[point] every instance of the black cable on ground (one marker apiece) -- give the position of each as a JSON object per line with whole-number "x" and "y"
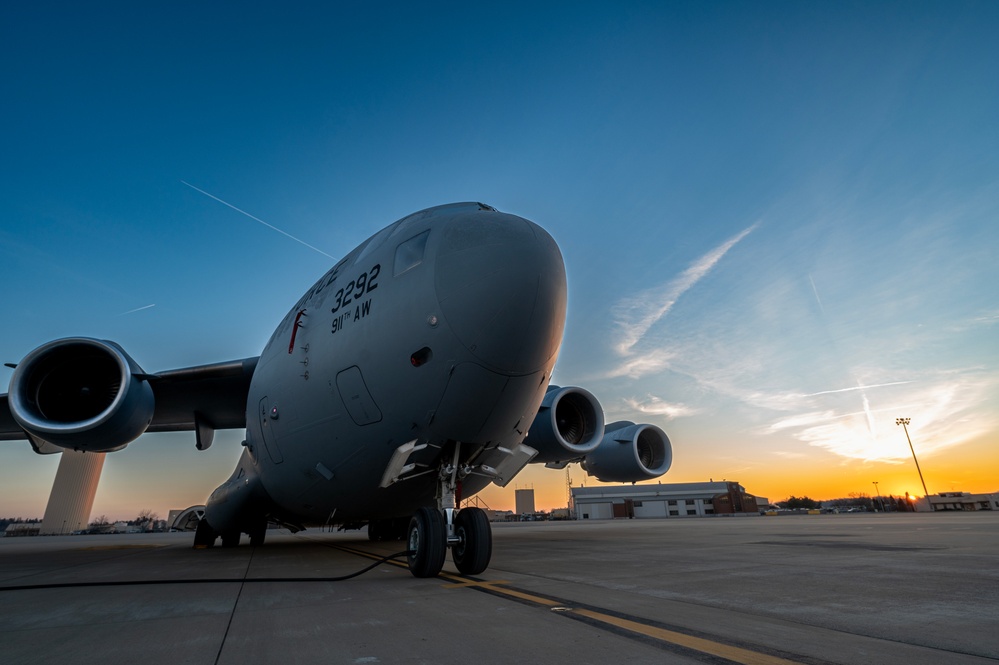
{"x": 225, "y": 580}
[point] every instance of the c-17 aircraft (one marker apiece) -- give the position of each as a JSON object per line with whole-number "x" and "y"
{"x": 410, "y": 376}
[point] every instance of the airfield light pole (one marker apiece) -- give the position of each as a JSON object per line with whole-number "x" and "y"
{"x": 904, "y": 422}
{"x": 880, "y": 500}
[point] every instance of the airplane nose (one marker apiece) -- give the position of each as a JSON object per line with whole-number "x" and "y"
{"x": 500, "y": 282}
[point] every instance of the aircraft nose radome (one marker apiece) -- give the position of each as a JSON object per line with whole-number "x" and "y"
{"x": 500, "y": 282}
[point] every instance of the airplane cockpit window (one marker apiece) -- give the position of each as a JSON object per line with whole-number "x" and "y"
{"x": 409, "y": 254}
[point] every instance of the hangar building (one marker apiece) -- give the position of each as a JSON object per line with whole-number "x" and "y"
{"x": 964, "y": 501}
{"x": 605, "y": 502}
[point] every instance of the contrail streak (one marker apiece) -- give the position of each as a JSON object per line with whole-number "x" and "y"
{"x": 257, "y": 219}
{"x": 653, "y": 304}
{"x": 816, "y": 292}
{"x": 846, "y": 390}
{"x": 137, "y": 309}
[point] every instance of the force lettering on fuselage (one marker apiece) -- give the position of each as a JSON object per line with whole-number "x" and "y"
{"x": 365, "y": 283}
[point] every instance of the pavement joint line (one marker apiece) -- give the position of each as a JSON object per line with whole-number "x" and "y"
{"x": 235, "y": 604}
{"x": 735, "y": 654}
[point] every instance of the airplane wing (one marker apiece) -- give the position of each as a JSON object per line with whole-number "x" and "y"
{"x": 214, "y": 393}
{"x": 202, "y": 399}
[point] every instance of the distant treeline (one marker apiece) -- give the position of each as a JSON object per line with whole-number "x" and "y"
{"x": 793, "y": 502}
{"x": 7, "y": 521}
{"x": 862, "y": 501}
{"x": 889, "y": 503}
{"x": 886, "y": 503}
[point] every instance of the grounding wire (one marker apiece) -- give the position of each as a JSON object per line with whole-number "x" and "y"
{"x": 207, "y": 580}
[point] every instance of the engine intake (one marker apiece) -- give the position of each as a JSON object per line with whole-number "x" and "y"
{"x": 81, "y": 393}
{"x": 629, "y": 453}
{"x": 569, "y": 425}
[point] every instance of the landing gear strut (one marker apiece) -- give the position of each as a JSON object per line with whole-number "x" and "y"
{"x": 433, "y": 530}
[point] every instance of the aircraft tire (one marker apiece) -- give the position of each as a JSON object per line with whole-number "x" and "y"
{"x": 204, "y": 535}
{"x": 230, "y": 538}
{"x": 375, "y": 531}
{"x": 427, "y": 543}
{"x": 472, "y": 553}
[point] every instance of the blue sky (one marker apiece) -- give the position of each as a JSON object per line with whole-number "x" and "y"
{"x": 779, "y": 220}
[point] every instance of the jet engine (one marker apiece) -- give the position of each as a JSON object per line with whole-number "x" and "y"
{"x": 569, "y": 425}
{"x": 81, "y": 393}
{"x": 629, "y": 453}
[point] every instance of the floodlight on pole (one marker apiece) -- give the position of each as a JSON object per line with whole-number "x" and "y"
{"x": 904, "y": 422}
{"x": 880, "y": 500}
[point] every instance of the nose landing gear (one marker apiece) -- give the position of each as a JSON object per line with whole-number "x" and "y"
{"x": 433, "y": 530}
{"x": 428, "y": 542}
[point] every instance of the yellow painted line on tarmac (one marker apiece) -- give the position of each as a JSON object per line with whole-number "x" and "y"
{"x": 476, "y": 583}
{"x": 735, "y": 654}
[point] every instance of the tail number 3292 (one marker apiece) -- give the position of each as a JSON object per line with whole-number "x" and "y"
{"x": 364, "y": 284}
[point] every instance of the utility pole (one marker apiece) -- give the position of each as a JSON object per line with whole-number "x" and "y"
{"x": 568, "y": 489}
{"x": 880, "y": 500}
{"x": 904, "y": 422}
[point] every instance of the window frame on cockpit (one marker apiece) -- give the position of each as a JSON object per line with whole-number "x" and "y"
{"x": 410, "y": 252}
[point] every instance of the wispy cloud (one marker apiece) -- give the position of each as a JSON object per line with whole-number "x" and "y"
{"x": 819, "y": 344}
{"x": 946, "y": 411}
{"x": 754, "y": 364}
{"x": 636, "y": 315}
{"x": 984, "y": 320}
{"x": 656, "y": 406}
{"x": 647, "y": 363}
{"x": 786, "y": 454}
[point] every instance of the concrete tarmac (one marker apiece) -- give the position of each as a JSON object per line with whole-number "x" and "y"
{"x": 882, "y": 589}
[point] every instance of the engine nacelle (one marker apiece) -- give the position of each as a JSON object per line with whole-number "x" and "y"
{"x": 81, "y": 393}
{"x": 629, "y": 453}
{"x": 569, "y": 424}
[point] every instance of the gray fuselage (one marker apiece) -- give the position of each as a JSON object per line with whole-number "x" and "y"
{"x": 443, "y": 327}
